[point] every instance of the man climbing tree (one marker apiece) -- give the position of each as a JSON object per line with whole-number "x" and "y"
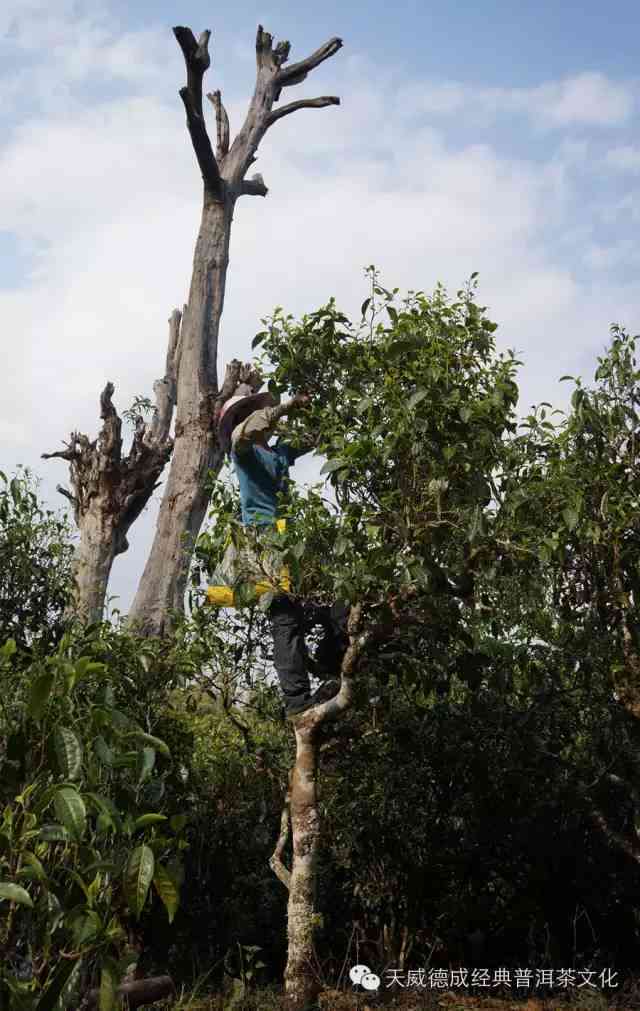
{"x": 246, "y": 423}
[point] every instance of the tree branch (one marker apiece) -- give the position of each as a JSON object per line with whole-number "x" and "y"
{"x": 313, "y": 717}
{"x": 137, "y": 993}
{"x": 253, "y": 187}
{"x": 222, "y": 124}
{"x": 297, "y": 72}
{"x": 303, "y": 103}
{"x": 197, "y": 60}
{"x": 165, "y": 389}
{"x": 70, "y": 453}
{"x": 275, "y": 861}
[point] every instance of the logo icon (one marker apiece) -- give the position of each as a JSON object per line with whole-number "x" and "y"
{"x": 361, "y": 975}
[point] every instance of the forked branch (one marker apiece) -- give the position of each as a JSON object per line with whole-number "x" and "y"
{"x": 197, "y": 60}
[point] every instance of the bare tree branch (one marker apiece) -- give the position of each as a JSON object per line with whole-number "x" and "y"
{"x": 70, "y": 453}
{"x": 271, "y": 78}
{"x": 297, "y": 72}
{"x": 303, "y": 103}
{"x": 165, "y": 389}
{"x": 197, "y": 60}
{"x": 253, "y": 187}
{"x": 222, "y": 125}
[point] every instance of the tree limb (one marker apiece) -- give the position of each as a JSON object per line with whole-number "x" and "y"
{"x": 275, "y": 861}
{"x": 297, "y": 72}
{"x": 311, "y": 718}
{"x": 253, "y": 187}
{"x": 303, "y": 103}
{"x": 197, "y": 60}
{"x": 222, "y": 124}
{"x": 70, "y": 453}
{"x": 165, "y": 389}
{"x": 138, "y": 993}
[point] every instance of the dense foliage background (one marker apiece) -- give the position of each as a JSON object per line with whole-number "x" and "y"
{"x": 480, "y": 800}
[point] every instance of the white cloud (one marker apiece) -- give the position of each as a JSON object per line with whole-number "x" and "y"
{"x": 589, "y": 99}
{"x": 107, "y": 192}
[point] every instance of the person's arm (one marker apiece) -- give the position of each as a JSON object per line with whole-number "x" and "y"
{"x": 259, "y": 422}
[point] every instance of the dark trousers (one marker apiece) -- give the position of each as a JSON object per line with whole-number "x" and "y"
{"x": 289, "y": 621}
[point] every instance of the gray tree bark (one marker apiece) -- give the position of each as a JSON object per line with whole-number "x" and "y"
{"x": 110, "y": 491}
{"x": 197, "y": 456}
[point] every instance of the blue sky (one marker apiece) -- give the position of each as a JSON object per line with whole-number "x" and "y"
{"x": 496, "y": 137}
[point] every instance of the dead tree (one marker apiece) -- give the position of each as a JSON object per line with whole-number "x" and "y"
{"x": 196, "y": 452}
{"x": 110, "y": 491}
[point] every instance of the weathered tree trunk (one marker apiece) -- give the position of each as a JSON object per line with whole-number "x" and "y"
{"x": 109, "y": 490}
{"x": 197, "y": 456}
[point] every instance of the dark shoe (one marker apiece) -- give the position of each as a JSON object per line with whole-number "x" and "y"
{"x": 326, "y": 691}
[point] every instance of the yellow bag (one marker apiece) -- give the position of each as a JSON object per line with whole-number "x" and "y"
{"x": 223, "y": 596}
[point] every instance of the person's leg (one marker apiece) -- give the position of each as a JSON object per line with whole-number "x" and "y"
{"x": 289, "y": 650}
{"x": 332, "y": 647}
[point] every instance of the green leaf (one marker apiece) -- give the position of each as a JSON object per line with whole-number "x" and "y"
{"x": 68, "y": 752}
{"x": 332, "y": 465}
{"x": 341, "y": 545}
{"x": 138, "y": 875}
{"x": 152, "y": 742}
{"x": 148, "y": 819}
{"x": 103, "y": 751}
{"x": 465, "y": 413}
{"x": 8, "y": 649}
{"x": 178, "y": 822}
{"x": 145, "y": 761}
{"x": 70, "y": 809}
{"x": 15, "y": 893}
{"x": 53, "y": 833}
{"x": 570, "y": 516}
{"x": 39, "y": 695}
{"x": 562, "y": 378}
{"x": 416, "y": 398}
{"x": 167, "y": 890}
{"x": 33, "y": 862}
{"x": 365, "y": 306}
{"x": 86, "y": 927}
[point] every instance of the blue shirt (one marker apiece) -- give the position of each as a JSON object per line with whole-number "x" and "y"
{"x": 262, "y": 474}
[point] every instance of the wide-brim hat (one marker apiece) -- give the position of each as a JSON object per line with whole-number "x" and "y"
{"x": 238, "y": 404}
